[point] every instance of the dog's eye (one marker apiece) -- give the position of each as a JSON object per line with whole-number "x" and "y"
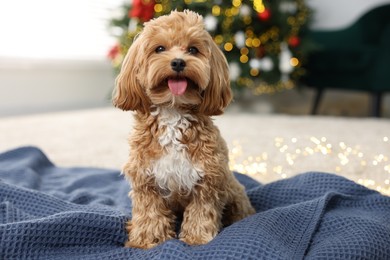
{"x": 160, "y": 49}
{"x": 193, "y": 50}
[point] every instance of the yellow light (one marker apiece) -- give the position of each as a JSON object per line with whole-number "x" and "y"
{"x": 158, "y": 8}
{"x": 294, "y": 62}
{"x": 291, "y": 20}
{"x": 244, "y": 59}
{"x": 264, "y": 37}
{"x": 261, "y": 9}
{"x": 258, "y": 6}
{"x": 278, "y": 169}
{"x": 256, "y": 42}
{"x": 262, "y": 166}
{"x": 254, "y": 72}
{"x": 248, "y": 42}
{"x": 244, "y": 51}
{"x": 235, "y": 11}
{"x": 247, "y": 20}
{"x": 236, "y": 3}
{"x": 249, "y": 33}
{"x": 218, "y": 39}
{"x": 216, "y": 10}
{"x": 228, "y": 46}
{"x": 228, "y": 12}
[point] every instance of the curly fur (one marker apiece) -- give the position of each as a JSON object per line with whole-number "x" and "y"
{"x": 178, "y": 164}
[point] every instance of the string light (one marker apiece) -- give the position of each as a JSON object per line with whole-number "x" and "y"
{"x": 294, "y": 62}
{"x": 235, "y": 11}
{"x": 247, "y": 20}
{"x": 258, "y": 6}
{"x": 216, "y": 10}
{"x": 158, "y": 8}
{"x": 228, "y": 46}
{"x": 218, "y": 39}
{"x": 248, "y": 42}
{"x": 289, "y": 155}
{"x": 228, "y": 12}
{"x": 236, "y": 3}
{"x": 244, "y": 59}
{"x": 244, "y": 51}
{"x": 256, "y": 42}
{"x": 254, "y": 72}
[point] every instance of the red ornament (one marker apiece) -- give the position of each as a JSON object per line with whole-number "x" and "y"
{"x": 260, "y": 51}
{"x": 294, "y": 41}
{"x": 142, "y": 9}
{"x": 265, "y": 15}
{"x": 114, "y": 51}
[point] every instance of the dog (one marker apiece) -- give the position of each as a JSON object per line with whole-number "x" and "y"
{"x": 175, "y": 78}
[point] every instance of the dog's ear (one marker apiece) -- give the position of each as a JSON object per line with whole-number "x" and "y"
{"x": 218, "y": 94}
{"x": 128, "y": 93}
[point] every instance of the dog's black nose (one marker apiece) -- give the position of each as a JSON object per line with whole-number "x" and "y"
{"x": 178, "y": 65}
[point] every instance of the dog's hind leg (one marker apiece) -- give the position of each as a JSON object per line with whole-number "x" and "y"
{"x": 238, "y": 205}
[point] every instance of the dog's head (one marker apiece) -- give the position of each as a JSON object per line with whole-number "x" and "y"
{"x": 174, "y": 62}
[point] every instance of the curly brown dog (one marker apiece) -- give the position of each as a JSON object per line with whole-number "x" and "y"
{"x": 175, "y": 77}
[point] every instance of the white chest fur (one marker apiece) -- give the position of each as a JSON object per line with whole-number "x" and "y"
{"x": 174, "y": 171}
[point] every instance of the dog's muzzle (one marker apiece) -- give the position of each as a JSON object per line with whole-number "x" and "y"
{"x": 178, "y": 65}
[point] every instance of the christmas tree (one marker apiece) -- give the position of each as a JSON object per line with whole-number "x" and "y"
{"x": 263, "y": 40}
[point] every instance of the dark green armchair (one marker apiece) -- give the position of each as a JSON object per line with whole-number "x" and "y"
{"x": 355, "y": 58}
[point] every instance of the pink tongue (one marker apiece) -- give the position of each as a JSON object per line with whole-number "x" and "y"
{"x": 177, "y": 86}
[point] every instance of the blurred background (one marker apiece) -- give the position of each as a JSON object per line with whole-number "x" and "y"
{"x": 65, "y": 55}
{"x": 311, "y": 78}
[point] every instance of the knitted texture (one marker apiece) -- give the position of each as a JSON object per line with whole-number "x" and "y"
{"x": 48, "y": 212}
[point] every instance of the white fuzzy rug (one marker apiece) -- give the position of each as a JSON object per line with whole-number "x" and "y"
{"x": 267, "y": 147}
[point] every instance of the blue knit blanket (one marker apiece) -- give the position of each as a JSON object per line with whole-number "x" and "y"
{"x": 48, "y": 212}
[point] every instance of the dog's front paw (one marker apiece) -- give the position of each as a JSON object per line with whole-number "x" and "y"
{"x": 140, "y": 244}
{"x": 197, "y": 240}
{"x": 148, "y": 237}
{"x": 197, "y": 237}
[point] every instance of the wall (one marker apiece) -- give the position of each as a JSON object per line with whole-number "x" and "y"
{"x": 32, "y": 86}
{"x": 332, "y": 14}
